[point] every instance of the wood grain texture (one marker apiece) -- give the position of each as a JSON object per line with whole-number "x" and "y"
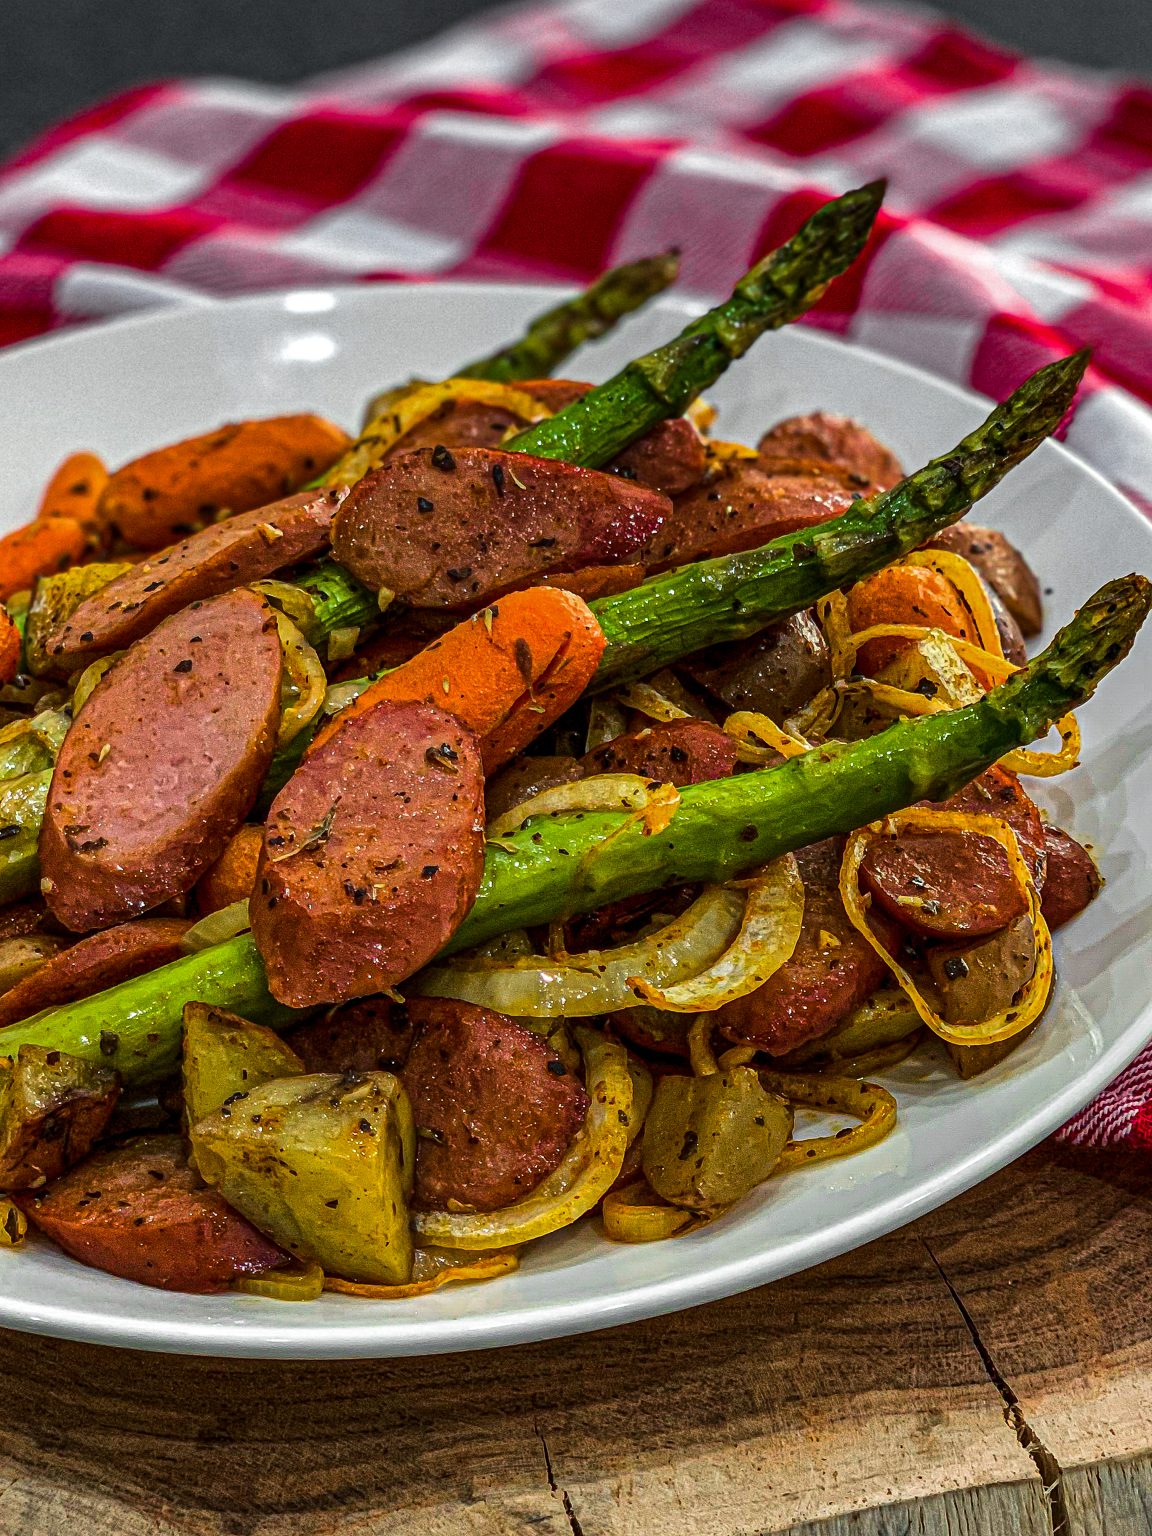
{"x": 885, "y": 1394}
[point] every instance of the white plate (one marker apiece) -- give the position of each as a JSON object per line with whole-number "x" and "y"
{"x": 123, "y": 388}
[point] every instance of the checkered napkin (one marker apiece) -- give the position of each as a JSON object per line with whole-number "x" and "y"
{"x": 552, "y": 141}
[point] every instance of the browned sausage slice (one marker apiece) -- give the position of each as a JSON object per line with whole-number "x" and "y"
{"x": 138, "y": 1211}
{"x": 373, "y": 853}
{"x": 373, "y": 1035}
{"x": 944, "y": 885}
{"x": 229, "y": 554}
{"x": 959, "y": 884}
{"x": 163, "y": 762}
{"x": 832, "y": 970}
{"x": 775, "y": 672}
{"x": 741, "y": 507}
{"x": 1002, "y": 566}
{"x": 526, "y": 777}
{"x": 668, "y": 458}
{"x": 678, "y": 752}
{"x": 452, "y": 529}
{"x": 820, "y": 439}
{"x": 495, "y": 1108}
{"x": 1071, "y": 879}
{"x": 99, "y": 961}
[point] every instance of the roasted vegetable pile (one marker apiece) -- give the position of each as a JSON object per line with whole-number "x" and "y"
{"x": 413, "y": 844}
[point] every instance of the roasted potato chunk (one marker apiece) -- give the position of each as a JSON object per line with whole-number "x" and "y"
{"x": 52, "y": 1109}
{"x": 224, "y": 1055}
{"x": 709, "y": 1140}
{"x": 323, "y": 1165}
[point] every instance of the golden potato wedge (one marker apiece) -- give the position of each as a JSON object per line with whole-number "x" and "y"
{"x": 52, "y": 1109}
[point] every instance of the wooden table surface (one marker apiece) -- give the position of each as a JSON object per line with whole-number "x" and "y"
{"x": 985, "y": 1371}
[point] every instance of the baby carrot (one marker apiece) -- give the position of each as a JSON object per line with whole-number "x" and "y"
{"x": 74, "y": 491}
{"x": 233, "y": 875}
{"x": 904, "y": 594}
{"x": 41, "y": 548}
{"x": 508, "y": 672}
{"x": 9, "y": 649}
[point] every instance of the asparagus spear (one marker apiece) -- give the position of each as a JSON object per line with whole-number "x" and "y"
{"x": 595, "y": 428}
{"x": 733, "y": 596}
{"x": 556, "y": 334}
{"x": 555, "y": 867}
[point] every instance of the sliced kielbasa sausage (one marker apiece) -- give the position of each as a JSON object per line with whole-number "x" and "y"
{"x": 162, "y": 763}
{"x": 495, "y": 1108}
{"x": 452, "y": 529}
{"x": 372, "y": 1035}
{"x": 739, "y": 507}
{"x": 678, "y": 752}
{"x": 229, "y": 554}
{"x": 139, "y": 1211}
{"x": 820, "y": 440}
{"x": 775, "y": 673}
{"x": 944, "y": 885}
{"x": 99, "y": 961}
{"x": 1071, "y": 879}
{"x": 958, "y": 884}
{"x": 668, "y": 458}
{"x": 1002, "y": 566}
{"x": 832, "y": 970}
{"x": 373, "y": 853}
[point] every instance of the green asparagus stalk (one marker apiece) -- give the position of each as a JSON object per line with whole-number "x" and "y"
{"x": 734, "y": 596}
{"x": 594, "y": 429}
{"x": 556, "y": 334}
{"x": 557, "y": 867}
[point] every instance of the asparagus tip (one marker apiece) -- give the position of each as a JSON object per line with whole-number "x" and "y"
{"x": 1099, "y": 635}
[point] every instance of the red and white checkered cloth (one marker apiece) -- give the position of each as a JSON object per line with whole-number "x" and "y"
{"x": 552, "y": 141}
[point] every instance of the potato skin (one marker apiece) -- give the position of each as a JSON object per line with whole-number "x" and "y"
{"x": 140, "y": 1212}
{"x": 167, "y": 494}
{"x": 709, "y": 1140}
{"x": 225, "y": 1054}
{"x": 52, "y": 1109}
{"x": 324, "y": 1165}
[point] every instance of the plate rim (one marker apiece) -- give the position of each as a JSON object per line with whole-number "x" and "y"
{"x": 363, "y": 1338}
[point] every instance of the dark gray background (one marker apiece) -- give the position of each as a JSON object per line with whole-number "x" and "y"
{"x": 57, "y": 56}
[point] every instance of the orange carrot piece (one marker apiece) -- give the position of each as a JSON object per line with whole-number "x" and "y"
{"x": 508, "y": 672}
{"x": 9, "y": 649}
{"x": 233, "y": 875}
{"x": 75, "y": 490}
{"x": 905, "y": 594}
{"x": 42, "y": 548}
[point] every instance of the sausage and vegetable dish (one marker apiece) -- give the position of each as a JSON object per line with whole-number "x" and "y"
{"x": 411, "y": 845}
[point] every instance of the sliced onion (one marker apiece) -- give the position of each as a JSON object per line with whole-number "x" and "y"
{"x": 872, "y": 1105}
{"x": 401, "y": 414}
{"x": 636, "y": 1214}
{"x": 769, "y": 930}
{"x": 296, "y": 602}
{"x": 656, "y": 803}
{"x": 701, "y": 1056}
{"x": 717, "y": 451}
{"x": 305, "y": 685}
{"x": 433, "y": 1268}
{"x": 1033, "y": 996}
{"x": 342, "y": 642}
{"x": 218, "y": 927}
{"x": 340, "y": 695}
{"x": 590, "y": 1167}
{"x": 646, "y": 700}
{"x": 761, "y": 738}
{"x": 606, "y": 721}
{"x": 294, "y": 1282}
{"x": 598, "y": 980}
{"x": 13, "y": 1225}
{"x": 90, "y": 676}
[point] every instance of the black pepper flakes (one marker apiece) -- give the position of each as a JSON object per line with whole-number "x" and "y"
{"x": 424, "y": 505}
{"x": 442, "y": 459}
{"x": 183, "y": 666}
